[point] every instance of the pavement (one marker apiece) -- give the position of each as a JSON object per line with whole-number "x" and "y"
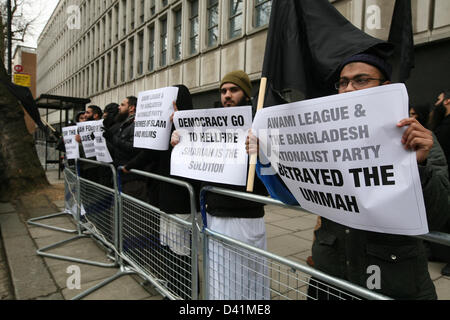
{"x": 24, "y": 275}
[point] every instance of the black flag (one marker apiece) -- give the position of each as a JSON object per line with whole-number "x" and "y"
{"x": 401, "y": 34}
{"x": 306, "y": 42}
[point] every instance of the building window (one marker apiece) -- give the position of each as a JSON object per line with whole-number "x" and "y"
{"x": 152, "y": 7}
{"x": 110, "y": 15}
{"x": 177, "y": 36}
{"x": 213, "y": 22}
{"x": 116, "y": 64}
{"x": 108, "y": 74}
{"x": 116, "y": 10}
{"x": 163, "y": 43}
{"x": 131, "y": 57}
{"x": 262, "y": 12}
{"x": 193, "y": 23}
{"x": 141, "y": 53}
{"x": 124, "y": 17}
{"x": 133, "y": 15}
{"x": 122, "y": 62}
{"x": 151, "y": 49}
{"x": 164, "y": 3}
{"x": 142, "y": 12}
{"x": 235, "y": 18}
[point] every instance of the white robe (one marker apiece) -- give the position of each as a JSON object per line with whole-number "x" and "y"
{"x": 235, "y": 274}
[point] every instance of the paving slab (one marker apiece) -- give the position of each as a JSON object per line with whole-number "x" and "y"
{"x": 124, "y": 288}
{"x": 287, "y": 245}
{"x": 6, "y": 207}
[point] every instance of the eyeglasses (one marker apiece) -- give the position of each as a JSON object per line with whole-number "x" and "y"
{"x": 359, "y": 82}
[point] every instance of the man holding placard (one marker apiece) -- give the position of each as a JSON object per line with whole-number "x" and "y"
{"x": 236, "y": 218}
{"x": 120, "y": 145}
{"x": 388, "y": 262}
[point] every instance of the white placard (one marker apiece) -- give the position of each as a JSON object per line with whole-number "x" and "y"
{"x": 152, "y": 126}
{"x": 342, "y": 158}
{"x": 71, "y": 145}
{"x": 101, "y": 150}
{"x": 85, "y": 130}
{"x": 212, "y": 145}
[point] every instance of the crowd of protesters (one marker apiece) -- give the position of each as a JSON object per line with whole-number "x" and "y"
{"x": 244, "y": 220}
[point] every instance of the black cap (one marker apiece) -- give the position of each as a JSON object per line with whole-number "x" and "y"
{"x": 374, "y": 60}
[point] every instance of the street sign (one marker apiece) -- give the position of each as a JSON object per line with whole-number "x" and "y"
{"x": 23, "y": 80}
{"x": 18, "y": 68}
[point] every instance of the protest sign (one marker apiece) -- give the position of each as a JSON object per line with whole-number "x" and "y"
{"x": 153, "y": 126}
{"x": 212, "y": 144}
{"x": 85, "y": 130}
{"x": 101, "y": 150}
{"x": 342, "y": 158}
{"x": 71, "y": 145}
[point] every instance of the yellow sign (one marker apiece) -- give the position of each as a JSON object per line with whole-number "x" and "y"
{"x": 23, "y": 80}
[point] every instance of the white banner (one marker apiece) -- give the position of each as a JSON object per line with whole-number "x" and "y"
{"x": 85, "y": 130}
{"x": 212, "y": 144}
{"x": 342, "y": 158}
{"x": 152, "y": 125}
{"x": 101, "y": 150}
{"x": 71, "y": 145}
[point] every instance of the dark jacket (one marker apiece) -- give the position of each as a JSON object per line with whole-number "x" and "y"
{"x": 225, "y": 206}
{"x": 442, "y": 133}
{"x": 170, "y": 198}
{"x": 347, "y": 253}
{"x": 120, "y": 144}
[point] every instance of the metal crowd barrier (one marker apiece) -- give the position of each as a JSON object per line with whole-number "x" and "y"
{"x": 164, "y": 250}
{"x": 235, "y": 270}
{"x": 70, "y": 196}
{"x": 161, "y": 247}
{"x": 85, "y": 229}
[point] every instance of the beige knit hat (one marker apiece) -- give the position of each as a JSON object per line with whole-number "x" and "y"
{"x": 239, "y": 78}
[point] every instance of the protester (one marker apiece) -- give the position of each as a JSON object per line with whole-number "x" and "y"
{"x": 440, "y": 125}
{"x": 80, "y": 117}
{"x": 109, "y": 114}
{"x": 171, "y": 243}
{"x": 345, "y": 252}
{"x": 236, "y": 218}
{"x": 90, "y": 171}
{"x": 120, "y": 145}
{"x": 93, "y": 113}
{"x": 421, "y": 113}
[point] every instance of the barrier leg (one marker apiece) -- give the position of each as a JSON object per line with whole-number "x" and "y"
{"x": 34, "y": 223}
{"x": 42, "y": 252}
{"x": 122, "y": 272}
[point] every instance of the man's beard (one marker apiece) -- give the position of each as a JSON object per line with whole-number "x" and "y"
{"x": 120, "y": 117}
{"x": 437, "y": 115}
{"x": 243, "y": 102}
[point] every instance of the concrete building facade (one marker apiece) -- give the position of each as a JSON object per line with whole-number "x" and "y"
{"x": 106, "y": 50}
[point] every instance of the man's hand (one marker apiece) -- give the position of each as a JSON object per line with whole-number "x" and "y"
{"x": 251, "y": 143}
{"x": 416, "y": 138}
{"x": 78, "y": 138}
{"x": 174, "y": 139}
{"x": 175, "y": 109}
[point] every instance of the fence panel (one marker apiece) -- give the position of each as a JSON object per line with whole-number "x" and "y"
{"x": 237, "y": 271}
{"x": 161, "y": 246}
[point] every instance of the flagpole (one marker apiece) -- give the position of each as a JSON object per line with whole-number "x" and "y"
{"x": 254, "y": 157}
{"x": 48, "y": 125}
